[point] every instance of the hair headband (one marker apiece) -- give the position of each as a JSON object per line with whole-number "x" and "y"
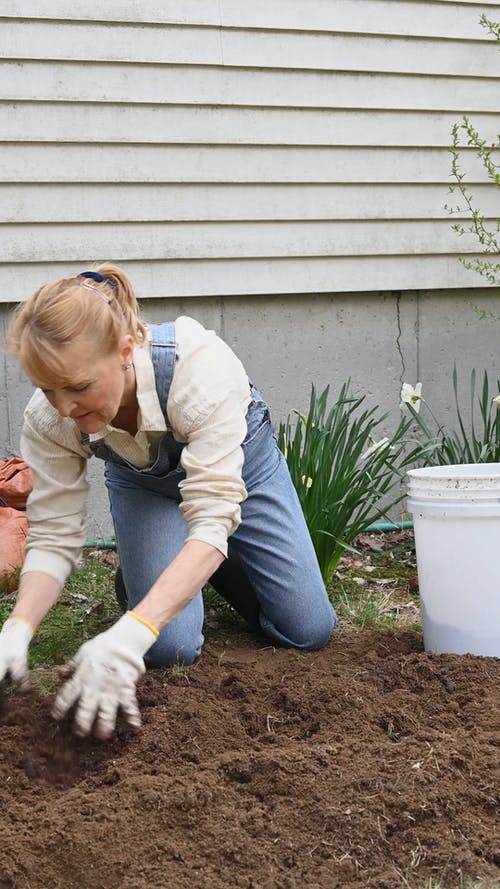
{"x": 99, "y": 279}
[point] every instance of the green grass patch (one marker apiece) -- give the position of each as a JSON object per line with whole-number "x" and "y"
{"x": 87, "y": 606}
{"x": 444, "y": 883}
{"x": 375, "y": 587}
{"x": 359, "y": 608}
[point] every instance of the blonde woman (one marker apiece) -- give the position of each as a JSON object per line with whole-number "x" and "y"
{"x": 198, "y": 491}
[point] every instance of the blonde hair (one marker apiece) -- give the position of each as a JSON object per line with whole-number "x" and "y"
{"x": 71, "y": 309}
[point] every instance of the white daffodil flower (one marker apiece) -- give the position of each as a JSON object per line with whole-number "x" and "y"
{"x": 411, "y": 395}
{"x": 496, "y": 401}
{"x": 307, "y": 481}
{"x": 374, "y": 446}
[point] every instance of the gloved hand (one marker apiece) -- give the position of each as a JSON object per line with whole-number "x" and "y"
{"x": 104, "y": 674}
{"x": 15, "y": 638}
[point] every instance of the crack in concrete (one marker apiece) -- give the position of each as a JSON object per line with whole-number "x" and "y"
{"x": 222, "y": 318}
{"x": 398, "y": 338}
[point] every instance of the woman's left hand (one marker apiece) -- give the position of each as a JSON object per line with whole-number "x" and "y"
{"x": 103, "y": 676}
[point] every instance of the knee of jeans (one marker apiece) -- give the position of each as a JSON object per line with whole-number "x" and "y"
{"x": 171, "y": 653}
{"x": 315, "y": 634}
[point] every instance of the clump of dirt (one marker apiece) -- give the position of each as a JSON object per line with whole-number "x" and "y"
{"x": 369, "y": 764}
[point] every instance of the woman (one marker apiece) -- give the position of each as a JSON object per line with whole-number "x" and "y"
{"x": 198, "y": 491}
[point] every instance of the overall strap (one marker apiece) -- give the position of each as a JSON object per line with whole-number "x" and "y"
{"x": 163, "y": 358}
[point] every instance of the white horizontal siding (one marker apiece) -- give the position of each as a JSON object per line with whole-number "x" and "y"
{"x": 223, "y": 240}
{"x": 177, "y": 84}
{"x": 234, "y": 147}
{"x": 215, "y": 125}
{"x": 442, "y": 18}
{"x": 256, "y": 276}
{"x": 244, "y": 49}
{"x": 105, "y": 202}
{"x": 180, "y": 163}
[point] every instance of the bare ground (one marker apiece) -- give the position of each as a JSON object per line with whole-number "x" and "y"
{"x": 369, "y": 764}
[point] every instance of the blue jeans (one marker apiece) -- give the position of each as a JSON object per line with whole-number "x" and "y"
{"x": 272, "y": 542}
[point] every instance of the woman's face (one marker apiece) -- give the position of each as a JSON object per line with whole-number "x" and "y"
{"x": 99, "y": 385}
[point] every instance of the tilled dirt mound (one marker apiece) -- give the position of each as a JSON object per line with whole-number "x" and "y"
{"x": 369, "y": 764}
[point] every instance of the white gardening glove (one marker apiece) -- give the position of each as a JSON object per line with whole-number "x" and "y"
{"x": 15, "y": 638}
{"x": 104, "y": 674}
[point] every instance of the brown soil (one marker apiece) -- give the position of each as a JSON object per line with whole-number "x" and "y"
{"x": 369, "y": 764}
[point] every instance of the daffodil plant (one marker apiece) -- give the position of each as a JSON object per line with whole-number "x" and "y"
{"x": 474, "y": 440}
{"x": 346, "y": 477}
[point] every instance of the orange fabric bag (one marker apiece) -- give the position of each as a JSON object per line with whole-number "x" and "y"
{"x": 15, "y": 486}
{"x": 15, "y": 483}
{"x": 13, "y": 530}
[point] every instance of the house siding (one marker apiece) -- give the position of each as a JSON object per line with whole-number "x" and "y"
{"x": 227, "y": 148}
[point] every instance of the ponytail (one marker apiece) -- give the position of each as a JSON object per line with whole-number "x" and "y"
{"x": 126, "y": 299}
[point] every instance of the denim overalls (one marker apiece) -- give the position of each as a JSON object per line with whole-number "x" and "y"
{"x": 271, "y": 575}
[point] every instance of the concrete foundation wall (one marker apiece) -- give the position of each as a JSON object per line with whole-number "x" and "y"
{"x": 287, "y": 343}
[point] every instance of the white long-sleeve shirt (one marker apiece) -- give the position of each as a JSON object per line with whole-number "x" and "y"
{"x": 206, "y": 410}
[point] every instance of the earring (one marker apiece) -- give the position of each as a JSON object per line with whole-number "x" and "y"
{"x": 126, "y": 366}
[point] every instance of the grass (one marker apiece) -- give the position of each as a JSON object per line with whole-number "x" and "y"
{"x": 376, "y": 586}
{"x": 374, "y": 608}
{"x": 449, "y": 878}
{"x": 445, "y": 884}
{"x": 86, "y": 607}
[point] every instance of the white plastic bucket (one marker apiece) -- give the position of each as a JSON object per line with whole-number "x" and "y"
{"x": 456, "y": 515}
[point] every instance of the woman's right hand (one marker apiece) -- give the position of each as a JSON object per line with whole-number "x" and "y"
{"x": 15, "y": 638}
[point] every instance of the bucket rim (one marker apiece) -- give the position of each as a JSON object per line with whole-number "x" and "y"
{"x": 466, "y": 471}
